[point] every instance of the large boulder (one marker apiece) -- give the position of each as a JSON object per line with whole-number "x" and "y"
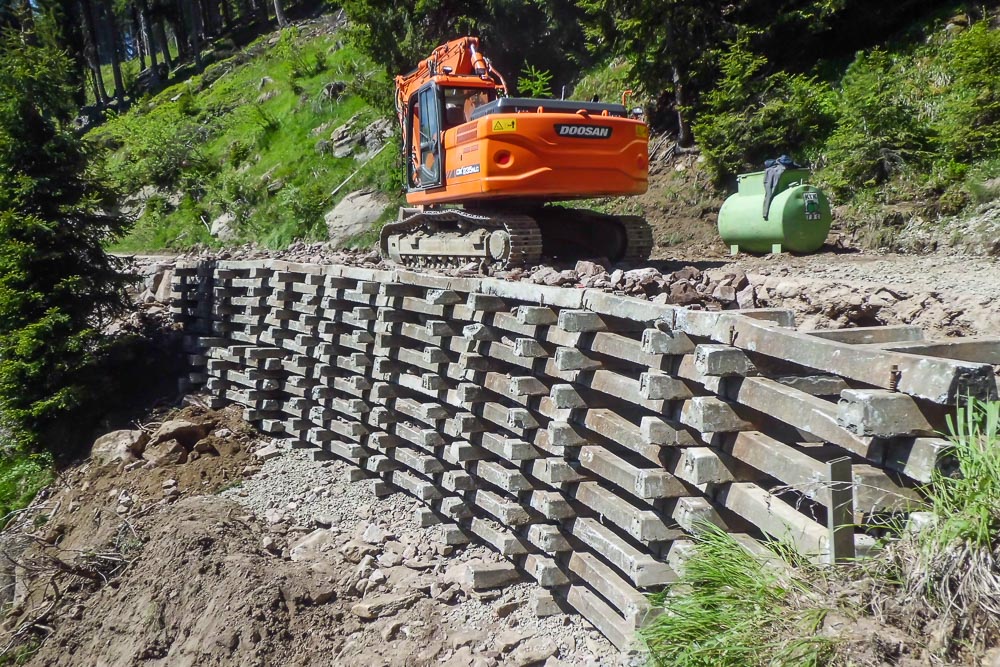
{"x": 164, "y": 288}
{"x": 683, "y": 293}
{"x": 184, "y": 432}
{"x": 152, "y": 274}
{"x": 118, "y": 446}
{"x": 166, "y": 453}
{"x": 354, "y": 214}
{"x": 223, "y": 227}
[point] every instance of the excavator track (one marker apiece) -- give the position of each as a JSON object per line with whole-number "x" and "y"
{"x": 640, "y": 238}
{"x": 582, "y": 234}
{"x": 456, "y": 237}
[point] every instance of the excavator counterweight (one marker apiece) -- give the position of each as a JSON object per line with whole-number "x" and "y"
{"x": 482, "y": 170}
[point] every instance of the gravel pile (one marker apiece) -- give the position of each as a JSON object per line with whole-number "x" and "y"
{"x": 311, "y": 508}
{"x": 688, "y": 286}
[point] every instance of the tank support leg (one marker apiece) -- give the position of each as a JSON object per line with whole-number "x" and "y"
{"x": 775, "y": 248}
{"x": 734, "y": 250}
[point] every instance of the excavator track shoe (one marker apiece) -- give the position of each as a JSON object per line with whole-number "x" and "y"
{"x": 455, "y": 238}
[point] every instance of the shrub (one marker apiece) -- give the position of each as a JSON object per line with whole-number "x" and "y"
{"x": 968, "y": 124}
{"x": 751, "y": 115}
{"x": 21, "y": 478}
{"x": 369, "y": 83}
{"x": 879, "y": 133}
{"x": 187, "y": 105}
{"x": 319, "y": 63}
{"x": 239, "y": 152}
{"x": 157, "y": 148}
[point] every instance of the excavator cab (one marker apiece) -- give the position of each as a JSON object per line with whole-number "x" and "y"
{"x": 433, "y": 110}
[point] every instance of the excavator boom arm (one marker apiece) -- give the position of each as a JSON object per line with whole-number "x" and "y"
{"x": 459, "y": 57}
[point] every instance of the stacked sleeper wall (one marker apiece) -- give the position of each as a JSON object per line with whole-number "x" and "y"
{"x": 192, "y": 305}
{"x": 582, "y": 435}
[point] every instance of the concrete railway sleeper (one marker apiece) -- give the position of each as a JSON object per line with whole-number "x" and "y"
{"x": 581, "y": 434}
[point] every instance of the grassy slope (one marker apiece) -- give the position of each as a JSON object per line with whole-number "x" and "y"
{"x": 211, "y": 148}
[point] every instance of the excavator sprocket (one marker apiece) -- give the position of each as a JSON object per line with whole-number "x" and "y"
{"x": 456, "y": 237}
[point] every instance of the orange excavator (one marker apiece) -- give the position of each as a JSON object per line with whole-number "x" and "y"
{"x": 482, "y": 169}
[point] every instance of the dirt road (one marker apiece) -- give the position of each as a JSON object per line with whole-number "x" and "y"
{"x": 947, "y": 294}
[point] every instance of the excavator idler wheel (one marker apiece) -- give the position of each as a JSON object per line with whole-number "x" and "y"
{"x": 499, "y": 245}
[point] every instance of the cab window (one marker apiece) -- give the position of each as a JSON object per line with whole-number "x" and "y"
{"x": 459, "y": 103}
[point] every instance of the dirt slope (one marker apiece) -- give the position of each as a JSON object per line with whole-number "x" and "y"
{"x": 135, "y": 558}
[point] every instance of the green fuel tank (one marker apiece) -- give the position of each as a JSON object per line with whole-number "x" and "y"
{"x": 798, "y": 220}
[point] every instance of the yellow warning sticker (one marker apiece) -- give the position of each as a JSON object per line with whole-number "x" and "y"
{"x": 505, "y": 125}
{"x": 641, "y": 131}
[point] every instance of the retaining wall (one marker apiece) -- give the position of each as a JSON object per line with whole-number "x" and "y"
{"x": 582, "y": 434}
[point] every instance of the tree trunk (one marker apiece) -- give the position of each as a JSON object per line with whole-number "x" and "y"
{"x": 147, "y": 36}
{"x": 260, "y": 12}
{"x": 197, "y": 30}
{"x": 116, "y": 63}
{"x": 161, "y": 38}
{"x": 91, "y": 51}
{"x": 279, "y": 13}
{"x": 684, "y": 135}
{"x": 74, "y": 45}
{"x": 96, "y": 85}
{"x": 209, "y": 18}
{"x": 27, "y": 19}
{"x": 227, "y": 16}
{"x": 138, "y": 38}
{"x": 181, "y": 33}
{"x": 246, "y": 11}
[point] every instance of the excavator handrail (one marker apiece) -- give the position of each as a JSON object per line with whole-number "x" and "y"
{"x": 523, "y": 104}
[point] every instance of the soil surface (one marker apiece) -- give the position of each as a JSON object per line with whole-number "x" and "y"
{"x": 226, "y": 548}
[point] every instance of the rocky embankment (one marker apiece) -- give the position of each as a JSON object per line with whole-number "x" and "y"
{"x": 946, "y": 295}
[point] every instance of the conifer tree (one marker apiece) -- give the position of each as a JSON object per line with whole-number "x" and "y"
{"x": 58, "y": 286}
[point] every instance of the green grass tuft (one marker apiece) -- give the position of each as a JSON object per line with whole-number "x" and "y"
{"x": 733, "y": 609}
{"x": 21, "y": 478}
{"x": 966, "y": 502}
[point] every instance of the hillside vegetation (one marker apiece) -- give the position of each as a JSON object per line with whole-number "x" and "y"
{"x": 250, "y": 137}
{"x": 899, "y": 118}
{"x": 917, "y": 121}
{"x": 896, "y": 109}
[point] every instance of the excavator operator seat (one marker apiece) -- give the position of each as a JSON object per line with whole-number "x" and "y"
{"x": 454, "y": 116}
